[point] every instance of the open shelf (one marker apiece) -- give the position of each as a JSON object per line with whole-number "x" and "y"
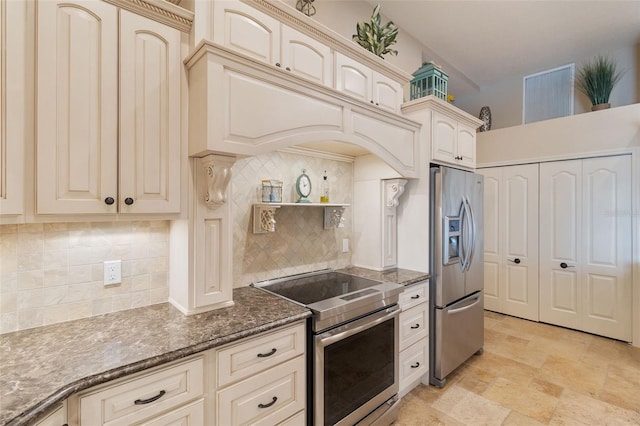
{"x": 264, "y": 215}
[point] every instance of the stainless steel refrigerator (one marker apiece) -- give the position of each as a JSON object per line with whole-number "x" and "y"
{"x": 457, "y": 268}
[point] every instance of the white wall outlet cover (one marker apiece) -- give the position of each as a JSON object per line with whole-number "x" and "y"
{"x": 112, "y": 272}
{"x": 345, "y": 245}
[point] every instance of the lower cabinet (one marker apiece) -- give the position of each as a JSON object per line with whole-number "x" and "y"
{"x": 155, "y": 398}
{"x": 414, "y": 337}
{"x": 262, "y": 380}
{"x": 58, "y": 417}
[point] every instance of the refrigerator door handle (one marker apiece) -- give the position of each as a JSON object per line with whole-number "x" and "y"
{"x": 472, "y": 247}
{"x": 464, "y": 250}
{"x": 474, "y": 301}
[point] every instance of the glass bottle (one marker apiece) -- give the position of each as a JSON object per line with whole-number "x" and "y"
{"x": 324, "y": 194}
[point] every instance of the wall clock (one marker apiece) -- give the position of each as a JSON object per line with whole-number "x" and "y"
{"x": 303, "y": 187}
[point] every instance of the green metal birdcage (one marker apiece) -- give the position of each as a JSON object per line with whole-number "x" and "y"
{"x": 429, "y": 79}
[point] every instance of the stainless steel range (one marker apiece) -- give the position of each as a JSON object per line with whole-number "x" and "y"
{"x": 353, "y": 343}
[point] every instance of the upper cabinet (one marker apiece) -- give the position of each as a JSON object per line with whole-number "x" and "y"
{"x": 452, "y": 134}
{"x": 362, "y": 82}
{"x": 108, "y": 111}
{"x": 250, "y": 32}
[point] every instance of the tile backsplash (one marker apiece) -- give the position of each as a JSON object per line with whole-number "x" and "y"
{"x": 300, "y": 242}
{"x": 51, "y": 273}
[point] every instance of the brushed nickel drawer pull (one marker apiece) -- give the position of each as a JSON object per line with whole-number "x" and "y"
{"x": 273, "y": 351}
{"x": 150, "y": 400}
{"x": 273, "y": 401}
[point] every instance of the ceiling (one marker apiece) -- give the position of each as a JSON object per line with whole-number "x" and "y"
{"x": 480, "y": 43}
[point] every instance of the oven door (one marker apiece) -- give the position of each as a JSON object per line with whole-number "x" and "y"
{"x": 356, "y": 368}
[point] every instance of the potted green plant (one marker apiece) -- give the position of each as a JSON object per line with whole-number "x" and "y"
{"x": 376, "y": 37}
{"x": 596, "y": 80}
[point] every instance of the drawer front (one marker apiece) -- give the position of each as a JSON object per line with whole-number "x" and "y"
{"x": 255, "y": 355}
{"x": 189, "y": 415}
{"x": 414, "y": 362}
{"x": 299, "y": 419}
{"x": 144, "y": 396}
{"x": 414, "y": 295}
{"x": 266, "y": 398}
{"x": 414, "y": 324}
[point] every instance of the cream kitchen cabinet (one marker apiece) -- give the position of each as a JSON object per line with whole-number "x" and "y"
{"x": 162, "y": 396}
{"x": 108, "y": 111}
{"x": 250, "y": 32}
{"x": 511, "y": 240}
{"x": 360, "y": 81}
{"x": 585, "y": 245}
{"x": 262, "y": 380}
{"x": 14, "y": 98}
{"x": 414, "y": 334}
{"x": 452, "y": 141}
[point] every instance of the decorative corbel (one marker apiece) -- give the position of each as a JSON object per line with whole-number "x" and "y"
{"x": 264, "y": 218}
{"x": 333, "y": 217}
{"x": 218, "y": 173}
{"x": 393, "y": 189}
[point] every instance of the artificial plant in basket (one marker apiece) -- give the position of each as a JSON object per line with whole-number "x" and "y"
{"x": 376, "y": 37}
{"x": 596, "y": 80}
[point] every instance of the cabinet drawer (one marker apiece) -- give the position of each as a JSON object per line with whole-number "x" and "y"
{"x": 250, "y": 357}
{"x": 414, "y": 324}
{"x": 414, "y": 362}
{"x": 414, "y": 295}
{"x": 144, "y": 396}
{"x": 266, "y": 398}
{"x": 299, "y": 419}
{"x": 190, "y": 415}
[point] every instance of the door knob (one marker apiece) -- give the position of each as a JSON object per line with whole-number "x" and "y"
{"x": 516, "y": 260}
{"x": 109, "y": 200}
{"x": 128, "y": 201}
{"x": 565, "y": 266}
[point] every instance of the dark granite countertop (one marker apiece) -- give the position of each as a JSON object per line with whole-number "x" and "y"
{"x": 42, "y": 366}
{"x": 395, "y": 275}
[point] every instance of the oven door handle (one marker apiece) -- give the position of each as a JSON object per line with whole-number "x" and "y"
{"x": 337, "y": 334}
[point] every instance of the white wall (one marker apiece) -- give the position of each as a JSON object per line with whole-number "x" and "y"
{"x": 505, "y": 98}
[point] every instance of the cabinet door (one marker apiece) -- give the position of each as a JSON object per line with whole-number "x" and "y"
{"x": 606, "y": 247}
{"x": 519, "y": 225}
{"x": 57, "y": 417}
{"x": 353, "y": 78}
{"x": 560, "y": 242}
{"x": 14, "y": 95}
{"x": 306, "y": 57}
{"x": 246, "y": 30}
{"x": 466, "y": 145}
{"x": 443, "y": 141}
{"x": 150, "y": 68}
{"x": 77, "y": 95}
{"x": 492, "y": 238}
{"x": 387, "y": 93}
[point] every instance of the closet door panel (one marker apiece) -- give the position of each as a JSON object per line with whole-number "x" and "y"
{"x": 607, "y": 297}
{"x": 492, "y": 237}
{"x": 560, "y": 242}
{"x": 520, "y": 258}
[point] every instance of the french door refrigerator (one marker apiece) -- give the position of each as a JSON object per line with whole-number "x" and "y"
{"x": 457, "y": 267}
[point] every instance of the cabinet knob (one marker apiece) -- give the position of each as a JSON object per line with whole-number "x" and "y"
{"x": 288, "y": 69}
{"x": 128, "y": 201}
{"x": 109, "y": 200}
{"x": 278, "y": 64}
{"x": 516, "y": 260}
{"x": 565, "y": 266}
{"x": 371, "y": 100}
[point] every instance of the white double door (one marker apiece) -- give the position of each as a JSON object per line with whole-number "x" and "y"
{"x": 511, "y": 240}
{"x": 585, "y": 245}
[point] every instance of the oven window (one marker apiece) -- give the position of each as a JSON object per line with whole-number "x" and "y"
{"x": 356, "y": 369}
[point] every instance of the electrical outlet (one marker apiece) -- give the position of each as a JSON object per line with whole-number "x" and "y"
{"x": 112, "y": 272}
{"x": 345, "y": 245}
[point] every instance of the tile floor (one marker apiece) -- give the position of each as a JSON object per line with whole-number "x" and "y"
{"x": 534, "y": 374}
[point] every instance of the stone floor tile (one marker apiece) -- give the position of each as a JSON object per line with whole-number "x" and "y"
{"x": 470, "y": 408}
{"x": 523, "y": 399}
{"x": 546, "y": 387}
{"x": 574, "y": 406}
{"x": 622, "y": 387}
{"x": 517, "y": 419}
{"x": 575, "y": 375}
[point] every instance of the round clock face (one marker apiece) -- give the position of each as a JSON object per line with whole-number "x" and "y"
{"x": 303, "y": 185}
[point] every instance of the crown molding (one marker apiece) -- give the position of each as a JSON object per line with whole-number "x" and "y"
{"x": 161, "y": 11}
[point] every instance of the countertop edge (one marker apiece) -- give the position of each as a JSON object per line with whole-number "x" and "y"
{"x": 39, "y": 409}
